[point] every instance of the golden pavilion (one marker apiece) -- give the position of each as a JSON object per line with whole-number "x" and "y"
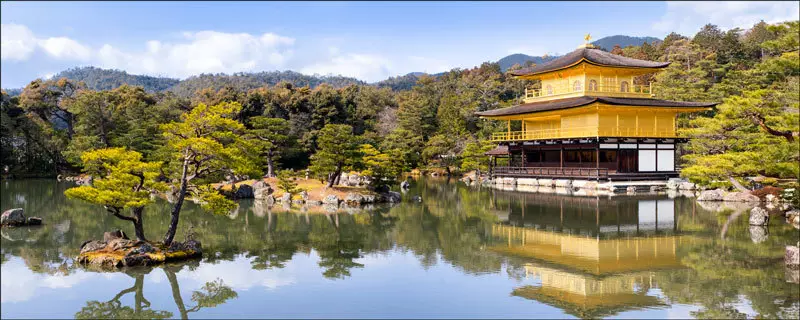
{"x": 586, "y": 118}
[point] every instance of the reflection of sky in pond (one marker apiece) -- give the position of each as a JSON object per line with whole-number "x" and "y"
{"x": 462, "y": 253}
{"x": 389, "y": 285}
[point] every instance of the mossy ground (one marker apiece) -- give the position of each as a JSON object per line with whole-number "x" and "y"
{"x": 316, "y": 189}
{"x": 125, "y": 257}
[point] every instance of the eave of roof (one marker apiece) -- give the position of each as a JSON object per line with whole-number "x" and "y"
{"x": 589, "y": 55}
{"x": 498, "y": 151}
{"x": 568, "y": 103}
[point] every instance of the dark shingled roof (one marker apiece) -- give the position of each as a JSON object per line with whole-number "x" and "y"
{"x": 499, "y": 151}
{"x": 595, "y": 56}
{"x": 586, "y": 100}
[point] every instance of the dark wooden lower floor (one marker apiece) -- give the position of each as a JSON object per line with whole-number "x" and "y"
{"x": 589, "y": 159}
{"x": 579, "y": 173}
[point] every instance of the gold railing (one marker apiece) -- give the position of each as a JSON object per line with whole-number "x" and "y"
{"x": 633, "y": 91}
{"x": 583, "y": 132}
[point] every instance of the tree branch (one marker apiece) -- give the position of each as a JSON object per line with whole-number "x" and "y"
{"x": 124, "y": 217}
{"x": 788, "y": 135}
{"x": 115, "y": 211}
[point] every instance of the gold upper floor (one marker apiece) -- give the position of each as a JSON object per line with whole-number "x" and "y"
{"x": 586, "y": 79}
{"x": 595, "y": 120}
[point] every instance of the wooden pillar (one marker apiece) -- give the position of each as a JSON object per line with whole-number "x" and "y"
{"x": 524, "y": 157}
{"x": 597, "y": 159}
{"x": 561, "y": 155}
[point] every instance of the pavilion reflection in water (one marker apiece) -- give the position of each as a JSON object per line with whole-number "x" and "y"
{"x": 591, "y": 257}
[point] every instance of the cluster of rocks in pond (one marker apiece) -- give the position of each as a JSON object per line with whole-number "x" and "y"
{"x": 117, "y": 251}
{"x": 16, "y": 218}
{"x": 262, "y": 191}
{"x": 722, "y": 195}
{"x": 354, "y": 180}
{"x": 79, "y": 180}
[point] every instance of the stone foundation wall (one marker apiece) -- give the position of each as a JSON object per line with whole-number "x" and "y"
{"x": 574, "y": 186}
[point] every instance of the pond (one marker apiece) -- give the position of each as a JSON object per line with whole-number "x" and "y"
{"x": 463, "y": 252}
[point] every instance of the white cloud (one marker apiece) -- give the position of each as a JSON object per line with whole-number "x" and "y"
{"x": 18, "y": 283}
{"x": 17, "y": 42}
{"x": 373, "y": 67}
{"x": 191, "y": 53}
{"x": 366, "y": 67}
{"x": 688, "y": 17}
{"x": 425, "y": 64}
{"x": 237, "y": 274}
{"x": 202, "y": 52}
{"x": 65, "y": 48}
{"x": 196, "y": 52}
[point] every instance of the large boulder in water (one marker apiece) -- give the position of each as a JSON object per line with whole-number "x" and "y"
{"x": 92, "y": 245}
{"x": 759, "y": 217}
{"x": 711, "y": 195}
{"x": 111, "y": 235}
{"x": 244, "y": 191}
{"x": 793, "y": 218}
{"x": 740, "y": 197}
{"x": 353, "y": 199}
{"x": 391, "y": 197}
{"x": 686, "y": 185}
{"x": 13, "y": 217}
{"x": 261, "y": 190}
{"x": 674, "y": 183}
{"x": 331, "y": 199}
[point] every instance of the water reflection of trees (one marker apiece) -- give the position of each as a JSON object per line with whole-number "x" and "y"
{"x": 113, "y": 309}
{"x": 453, "y": 223}
{"x": 212, "y": 294}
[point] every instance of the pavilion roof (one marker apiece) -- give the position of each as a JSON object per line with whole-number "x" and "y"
{"x": 567, "y": 103}
{"x": 591, "y": 55}
{"x": 499, "y": 151}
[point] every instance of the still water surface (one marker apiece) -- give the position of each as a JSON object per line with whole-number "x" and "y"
{"x": 463, "y": 252}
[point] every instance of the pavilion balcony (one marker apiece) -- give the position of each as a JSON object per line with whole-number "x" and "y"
{"x": 584, "y": 132}
{"x": 534, "y": 94}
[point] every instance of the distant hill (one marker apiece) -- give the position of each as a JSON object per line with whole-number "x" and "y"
{"x": 13, "y": 92}
{"x": 400, "y": 83}
{"x": 106, "y": 79}
{"x": 248, "y": 81}
{"x": 608, "y": 43}
{"x": 519, "y": 58}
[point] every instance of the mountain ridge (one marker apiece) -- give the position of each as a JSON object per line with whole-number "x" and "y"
{"x": 106, "y": 79}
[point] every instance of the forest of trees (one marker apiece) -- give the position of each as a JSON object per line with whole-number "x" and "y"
{"x": 753, "y": 73}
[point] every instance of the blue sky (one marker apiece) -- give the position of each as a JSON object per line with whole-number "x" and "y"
{"x": 367, "y": 40}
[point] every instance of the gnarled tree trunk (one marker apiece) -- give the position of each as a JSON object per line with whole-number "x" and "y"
{"x": 270, "y": 165}
{"x": 333, "y": 179}
{"x": 176, "y": 209}
{"x": 138, "y": 224}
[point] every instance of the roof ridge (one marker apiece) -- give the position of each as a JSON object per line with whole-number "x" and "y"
{"x": 591, "y": 55}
